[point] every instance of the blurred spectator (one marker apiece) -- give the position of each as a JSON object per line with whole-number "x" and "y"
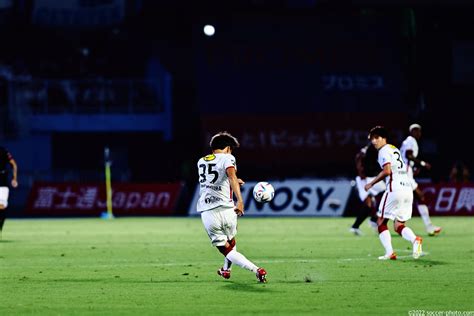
{"x": 459, "y": 173}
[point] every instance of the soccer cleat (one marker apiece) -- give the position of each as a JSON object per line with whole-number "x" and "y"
{"x": 356, "y": 231}
{"x": 393, "y": 256}
{"x": 417, "y": 247}
{"x": 224, "y": 273}
{"x": 261, "y": 275}
{"x": 435, "y": 231}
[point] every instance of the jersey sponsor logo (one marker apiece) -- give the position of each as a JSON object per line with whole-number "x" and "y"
{"x": 210, "y": 157}
{"x": 212, "y": 187}
{"x": 212, "y": 199}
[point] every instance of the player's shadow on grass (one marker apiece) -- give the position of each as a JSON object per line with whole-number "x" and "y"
{"x": 425, "y": 262}
{"x": 245, "y": 287}
{"x": 432, "y": 262}
{"x": 83, "y": 280}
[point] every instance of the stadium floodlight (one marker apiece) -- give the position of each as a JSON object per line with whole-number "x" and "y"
{"x": 209, "y": 30}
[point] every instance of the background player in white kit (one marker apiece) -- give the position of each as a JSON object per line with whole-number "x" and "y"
{"x": 397, "y": 200}
{"x": 367, "y": 168}
{"x": 218, "y": 183}
{"x": 409, "y": 150}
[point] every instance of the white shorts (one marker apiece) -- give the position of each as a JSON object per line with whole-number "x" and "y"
{"x": 378, "y": 188}
{"x": 396, "y": 205}
{"x": 413, "y": 183}
{"x": 4, "y": 196}
{"x": 220, "y": 224}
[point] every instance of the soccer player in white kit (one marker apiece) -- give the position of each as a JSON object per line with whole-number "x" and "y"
{"x": 397, "y": 200}
{"x": 218, "y": 183}
{"x": 409, "y": 150}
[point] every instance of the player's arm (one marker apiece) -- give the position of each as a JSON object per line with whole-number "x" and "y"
{"x": 235, "y": 185}
{"x": 409, "y": 155}
{"x": 14, "y": 172}
{"x": 359, "y": 162}
{"x": 386, "y": 171}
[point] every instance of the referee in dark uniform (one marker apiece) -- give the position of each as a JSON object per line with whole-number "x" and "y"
{"x": 5, "y": 159}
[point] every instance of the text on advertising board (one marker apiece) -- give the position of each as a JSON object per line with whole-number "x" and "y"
{"x": 295, "y": 198}
{"x": 89, "y": 199}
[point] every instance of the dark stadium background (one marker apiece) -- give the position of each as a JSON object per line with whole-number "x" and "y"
{"x": 269, "y": 62}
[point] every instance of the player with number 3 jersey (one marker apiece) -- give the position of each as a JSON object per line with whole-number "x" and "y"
{"x": 396, "y": 203}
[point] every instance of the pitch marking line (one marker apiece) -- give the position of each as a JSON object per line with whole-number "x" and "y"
{"x": 369, "y": 257}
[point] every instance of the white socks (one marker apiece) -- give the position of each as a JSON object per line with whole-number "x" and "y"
{"x": 386, "y": 241}
{"x": 227, "y": 262}
{"x": 240, "y": 260}
{"x": 408, "y": 234}
{"x": 425, "y": 215}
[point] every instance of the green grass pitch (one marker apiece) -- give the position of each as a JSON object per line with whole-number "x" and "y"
{"x": 166, "y": 266}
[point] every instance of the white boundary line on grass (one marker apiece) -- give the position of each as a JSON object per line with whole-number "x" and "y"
{"x": 369, "y": 257}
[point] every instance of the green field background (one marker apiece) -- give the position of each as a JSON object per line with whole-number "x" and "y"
{"x": 166, "y": 266}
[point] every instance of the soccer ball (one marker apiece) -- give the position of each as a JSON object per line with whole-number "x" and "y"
{"x": 263, "y": 192}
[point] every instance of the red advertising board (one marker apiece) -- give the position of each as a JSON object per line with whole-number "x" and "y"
{"x": 309, "y": 139}
{"x": 449, "y": 199}
{"x": 89, "y": 199}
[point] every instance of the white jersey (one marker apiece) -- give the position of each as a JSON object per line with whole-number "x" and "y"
{"x": 4, "y": 196}
{"x": 409, "y": 143}
{"x": 214, "y": 185}
{"x": 398, "y": 180}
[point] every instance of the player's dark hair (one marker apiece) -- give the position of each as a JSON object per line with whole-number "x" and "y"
{"x": 378, "y": 131}
{"x": 223, "y": 139}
